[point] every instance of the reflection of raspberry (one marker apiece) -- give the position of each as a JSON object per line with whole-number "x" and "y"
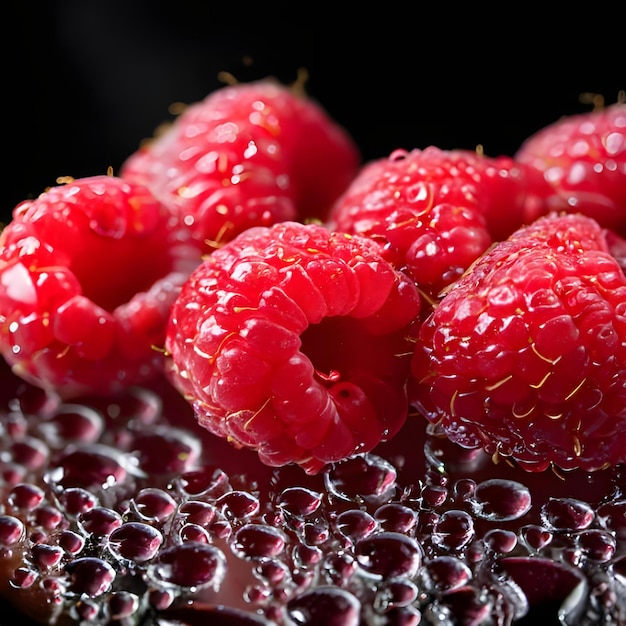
{"x": 86, "y": 282}
{"x": 436, "y": 211}
{"x": 526, "y": 354}
{"x": 293, "y": 340}
{"x": 249, "y": 154}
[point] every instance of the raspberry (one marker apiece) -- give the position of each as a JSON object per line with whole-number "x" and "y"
{"x": 295, "y": 341}
{"x": 249, "y": 154}
{"x": 583, "y": 158}
{"x": 436, "y": 211}
{"x": 86, "y": 282}
{"x": 526, "y": 354}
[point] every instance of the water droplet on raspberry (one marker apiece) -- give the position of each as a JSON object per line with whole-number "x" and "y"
{"x": 122, "y": 604}
{"x": 77, "y": 500}
{"x": 396, "y": 517}
{"x": 46, "y": 556}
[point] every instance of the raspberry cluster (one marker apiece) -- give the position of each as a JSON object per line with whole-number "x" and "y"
{"x": 308, "y": 307}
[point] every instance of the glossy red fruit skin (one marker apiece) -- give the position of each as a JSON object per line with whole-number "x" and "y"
{"x": 295, "y": 342}
{"x": 87, "y": 276}
{"x": 525, "y": 356}
{"x": 249, "y": 154}
{"x": 583, "y": 159}
{"x": 435, "y": 211}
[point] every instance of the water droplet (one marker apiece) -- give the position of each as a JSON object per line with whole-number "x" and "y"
{"x": 90, "y": 576}
{"x": 135, "y": 541}
{"x": 388, "y": 554}
{"x": 330, "y": 606}
{"x": 190, "y": 565}
{"x": 11, "y": 530}
{"x": 500, "y": 500}
{"x": 447, "y": 573}
{"x": 363, "y": 478}
{"x": 257, "y": 541}
{"x": 453, "y": 530}
{"x": 567, "y": 514}
{"x": 298, "y": 501}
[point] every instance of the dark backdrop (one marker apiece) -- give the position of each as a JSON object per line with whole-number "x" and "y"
{"x": 85, "y": 82}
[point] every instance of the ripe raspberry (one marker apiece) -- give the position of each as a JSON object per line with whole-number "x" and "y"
{"x": 583, "y": 158}
{"x": 86, "y": 282}
{"x": 526, "y": 354}
{"x": 249, "y": 154}
{"x": 436, "y": 211}
{"x": 296, "y": 342}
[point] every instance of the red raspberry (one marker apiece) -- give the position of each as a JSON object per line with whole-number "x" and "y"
{"x": 86, "y": 282}
{"x": 436, "y": 211}
{"x": 583, "y": 158}
{"x": 249, "y": 154}
{"x": 526, "y": 354}
{"x": 296, "y": 341}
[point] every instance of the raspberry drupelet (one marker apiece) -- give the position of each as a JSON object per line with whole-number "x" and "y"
{"x": 296, "y": 341}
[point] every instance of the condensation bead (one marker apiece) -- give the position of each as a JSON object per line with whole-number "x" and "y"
{"x": 612, "y": 516}
{"x": 135, "y": 541}
{"x": 299, "y": 501}
{"x": 389, "y": 554}
{"x": 48, "y": 517}
{"x": 164, "y": 450}
{"x": 190, "y": 565}
{"x": 99, "y": 521}
{"x": 122, "y": 604}
{"x": 207, "y": 481}
{"x": 453, "y": 530}
{"x": 396, "y": 517}
{"x": 330, "y": 606}
{"x": 238, "y": 504}
{"x": 72, "y": 423}
{"x": 567, "y": 514}
{"x": 255, "y": 541}
{"x": 500, "y": 541}
{"x": 76, "y": 500}
{"x": 11, "y": 530}
{"x": 71, "y": 542}
{"x": 535, "y": 537}
{"x": 597, "y": 545}
{"x": 434, "y": 495}
{"x": 271, "y": 571}
{"x": 446, "y": 573}
{"x": 363, "y": 478}
{"x": 30, "y": 453}
{"x": 394, "y": 593}
{"x": 23, "y": 578}
{"x": 306, "y": 556}
{"x": 500, "y": 500}
{"x": 197, "y": 512}
{"x": 194, "y": 532}
{"x": 90, "y": 576}
{"x": 45, "y": 556}
{"x": 355, "y": 524}
{"x": 152, "y": 504}
{"x": 25, "y": 496}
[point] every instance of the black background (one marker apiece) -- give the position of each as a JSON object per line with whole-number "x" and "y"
{"x": 85, "y": 82}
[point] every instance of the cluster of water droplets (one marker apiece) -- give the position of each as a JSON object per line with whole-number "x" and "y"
{"x": 114, "y": 513}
